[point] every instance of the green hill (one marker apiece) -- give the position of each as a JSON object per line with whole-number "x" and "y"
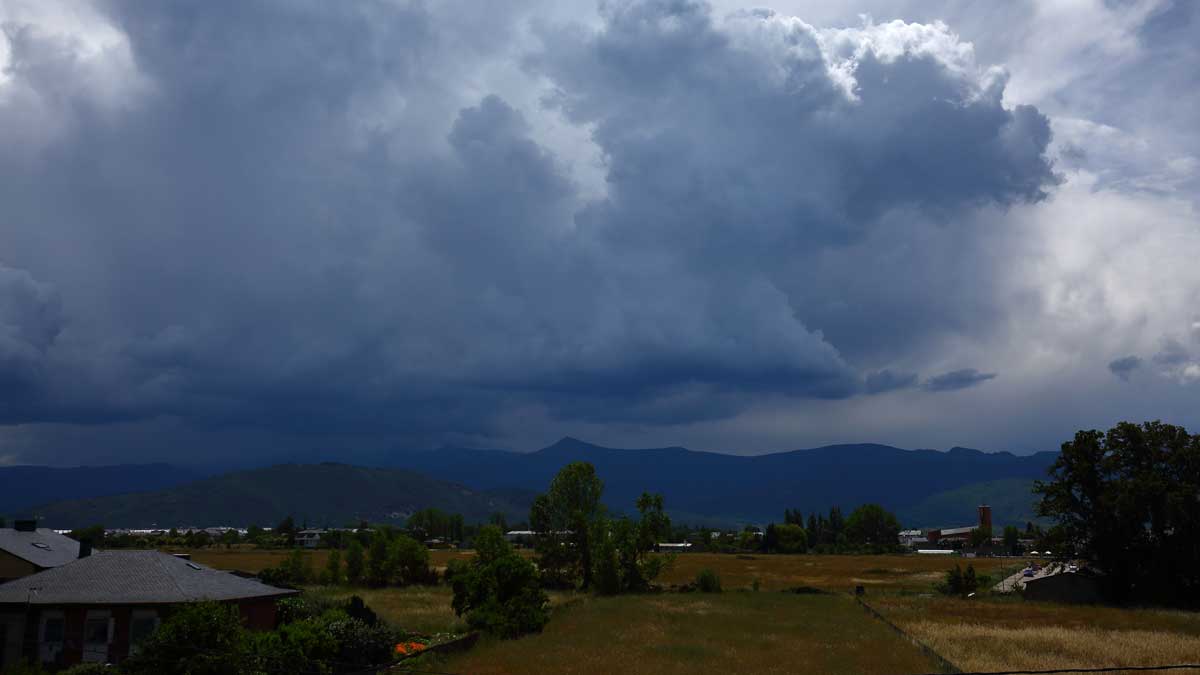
{"x": 1011, "y": 499}
{"x": 320, "y": 494}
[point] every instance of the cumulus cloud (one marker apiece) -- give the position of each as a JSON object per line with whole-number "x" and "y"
{"x": 328, "y": 218}
{"x": 957, "y": 379}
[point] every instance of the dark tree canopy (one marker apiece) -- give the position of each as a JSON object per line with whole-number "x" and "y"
{"x": 563, "y": 520}
{"x": 1128, "y": 501}
{"x": 874, "y": 528}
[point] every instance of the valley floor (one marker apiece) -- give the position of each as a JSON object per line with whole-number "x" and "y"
{"x": 769, "y": 631}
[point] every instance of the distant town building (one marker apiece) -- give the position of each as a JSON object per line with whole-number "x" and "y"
{"x": 913, "y": 538}
{"x": 27, "y": 549}
{"x": 99, "y": 607}
{"x": 309, "y": 538}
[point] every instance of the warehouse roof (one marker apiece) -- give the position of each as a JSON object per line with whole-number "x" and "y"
{"x": 132, "y": 577}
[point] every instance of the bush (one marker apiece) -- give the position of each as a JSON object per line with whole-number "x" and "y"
{"x": 958, "y": 582}
{"x": 499, "y": 591}
{"x": 410, "y": 562}
{"x": 89, "y": 669}
{"x": 201, "y": 639}
{"x": 708, "y": 581}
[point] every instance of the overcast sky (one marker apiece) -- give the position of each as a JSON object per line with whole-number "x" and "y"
{"x": 252, "y": 231}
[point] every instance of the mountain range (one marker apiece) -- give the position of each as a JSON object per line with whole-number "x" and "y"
{"x": 925, "y": 488}
{"x": 326, "y": 495}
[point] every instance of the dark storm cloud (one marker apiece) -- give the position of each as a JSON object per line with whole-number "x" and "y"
{"x": 885, "y": 380}
{"x": 1124, "y": 367}
{"x": 957, "y": 379}
{"x": 289, "y": 215}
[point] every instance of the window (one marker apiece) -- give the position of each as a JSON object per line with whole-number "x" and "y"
{"x": 50, "y": 645}
{"x": 141, "y": 625}
{"x": 95, "y": 631}
{"x": 52, "y": 629}
{"x": 97, "y": 634}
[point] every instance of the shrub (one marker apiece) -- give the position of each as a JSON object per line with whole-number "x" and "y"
{"x": 410, "y": 562}
{"x": 355, "y": 563}
{"x": 708, "y": 581}
{"x": 958, "y": 582}
{"x": 499, "y": 591}
{"x": 201, "y": 639}
{"x": 88, "y": 669}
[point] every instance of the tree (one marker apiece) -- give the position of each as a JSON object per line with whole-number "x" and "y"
{"x": 380, "y": 562}
{"x": 93, "y": 534}
{"x": 1127, "y": 501}
{"x": 408, "y": 561}
{"x": 332, "y": 574}
{"x": 871, "y": 527}
{"x": 499, "y": 521}
{"x": 563, "y": 520}
{"x": 622, "y": 548}
{"x": 791, "y": 517}
{"x": 770, "y": 540}
{"x": 287, "y": 528}
{"x": 791, "y": 538}
{"x": 980, "y": 537}
{"x": 1012, "y": 537}
{"x": 354, "y": 562}
{"x": 498, "y": 591}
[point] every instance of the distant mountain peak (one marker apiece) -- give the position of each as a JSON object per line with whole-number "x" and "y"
{"x": 571, "y": 443}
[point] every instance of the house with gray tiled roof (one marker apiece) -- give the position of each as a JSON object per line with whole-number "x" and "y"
{"x": 27, "y": 549}
{"x": 99, "y": 607}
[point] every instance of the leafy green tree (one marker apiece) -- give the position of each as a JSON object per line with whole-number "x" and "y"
{"x": 408, "y": 561}
{"x": 287, "y": 529}
{"x": 498, "y": 591}
{"x": 563, "y": 520}
{"x": 980, "y": 537}
{"x": 873, "y": 528}
{"x": 1126, "y": 500}
{"x": 380, "y": 562}
{"x": 94, "y": 534}
{"x": 791, "y": 517}
{"x": 355, "y": 563}
{"x": 790, "y": 538}
{"x": 332, "y": 574}
{"x": 499, "y": 521}
{"x": 1012, "y": 540}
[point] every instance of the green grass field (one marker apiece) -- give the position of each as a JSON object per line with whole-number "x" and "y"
{"x": 732, "y": 632}
{"x": 767, "y": 631}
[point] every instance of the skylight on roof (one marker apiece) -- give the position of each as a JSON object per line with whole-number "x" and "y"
{"x": 41, "y": 545}
{"x": 193, "y": 565}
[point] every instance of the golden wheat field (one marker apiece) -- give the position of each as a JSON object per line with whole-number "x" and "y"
{"x": 990, "y": 634}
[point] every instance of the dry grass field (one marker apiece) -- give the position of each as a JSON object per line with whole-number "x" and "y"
{"x": 774, "y": 572}
{"x": 767, "y": 632}
{"x": 733, "y": 632}
{"x": 827, "y": 572}
{"x": 991, "y": 634}
{"x": 256, "y": 560}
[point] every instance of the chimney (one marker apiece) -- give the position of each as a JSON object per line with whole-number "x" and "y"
{"x": 25, "y": 525}
{"x": 985, "y": 517}
{"x": 85, "y": 547}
